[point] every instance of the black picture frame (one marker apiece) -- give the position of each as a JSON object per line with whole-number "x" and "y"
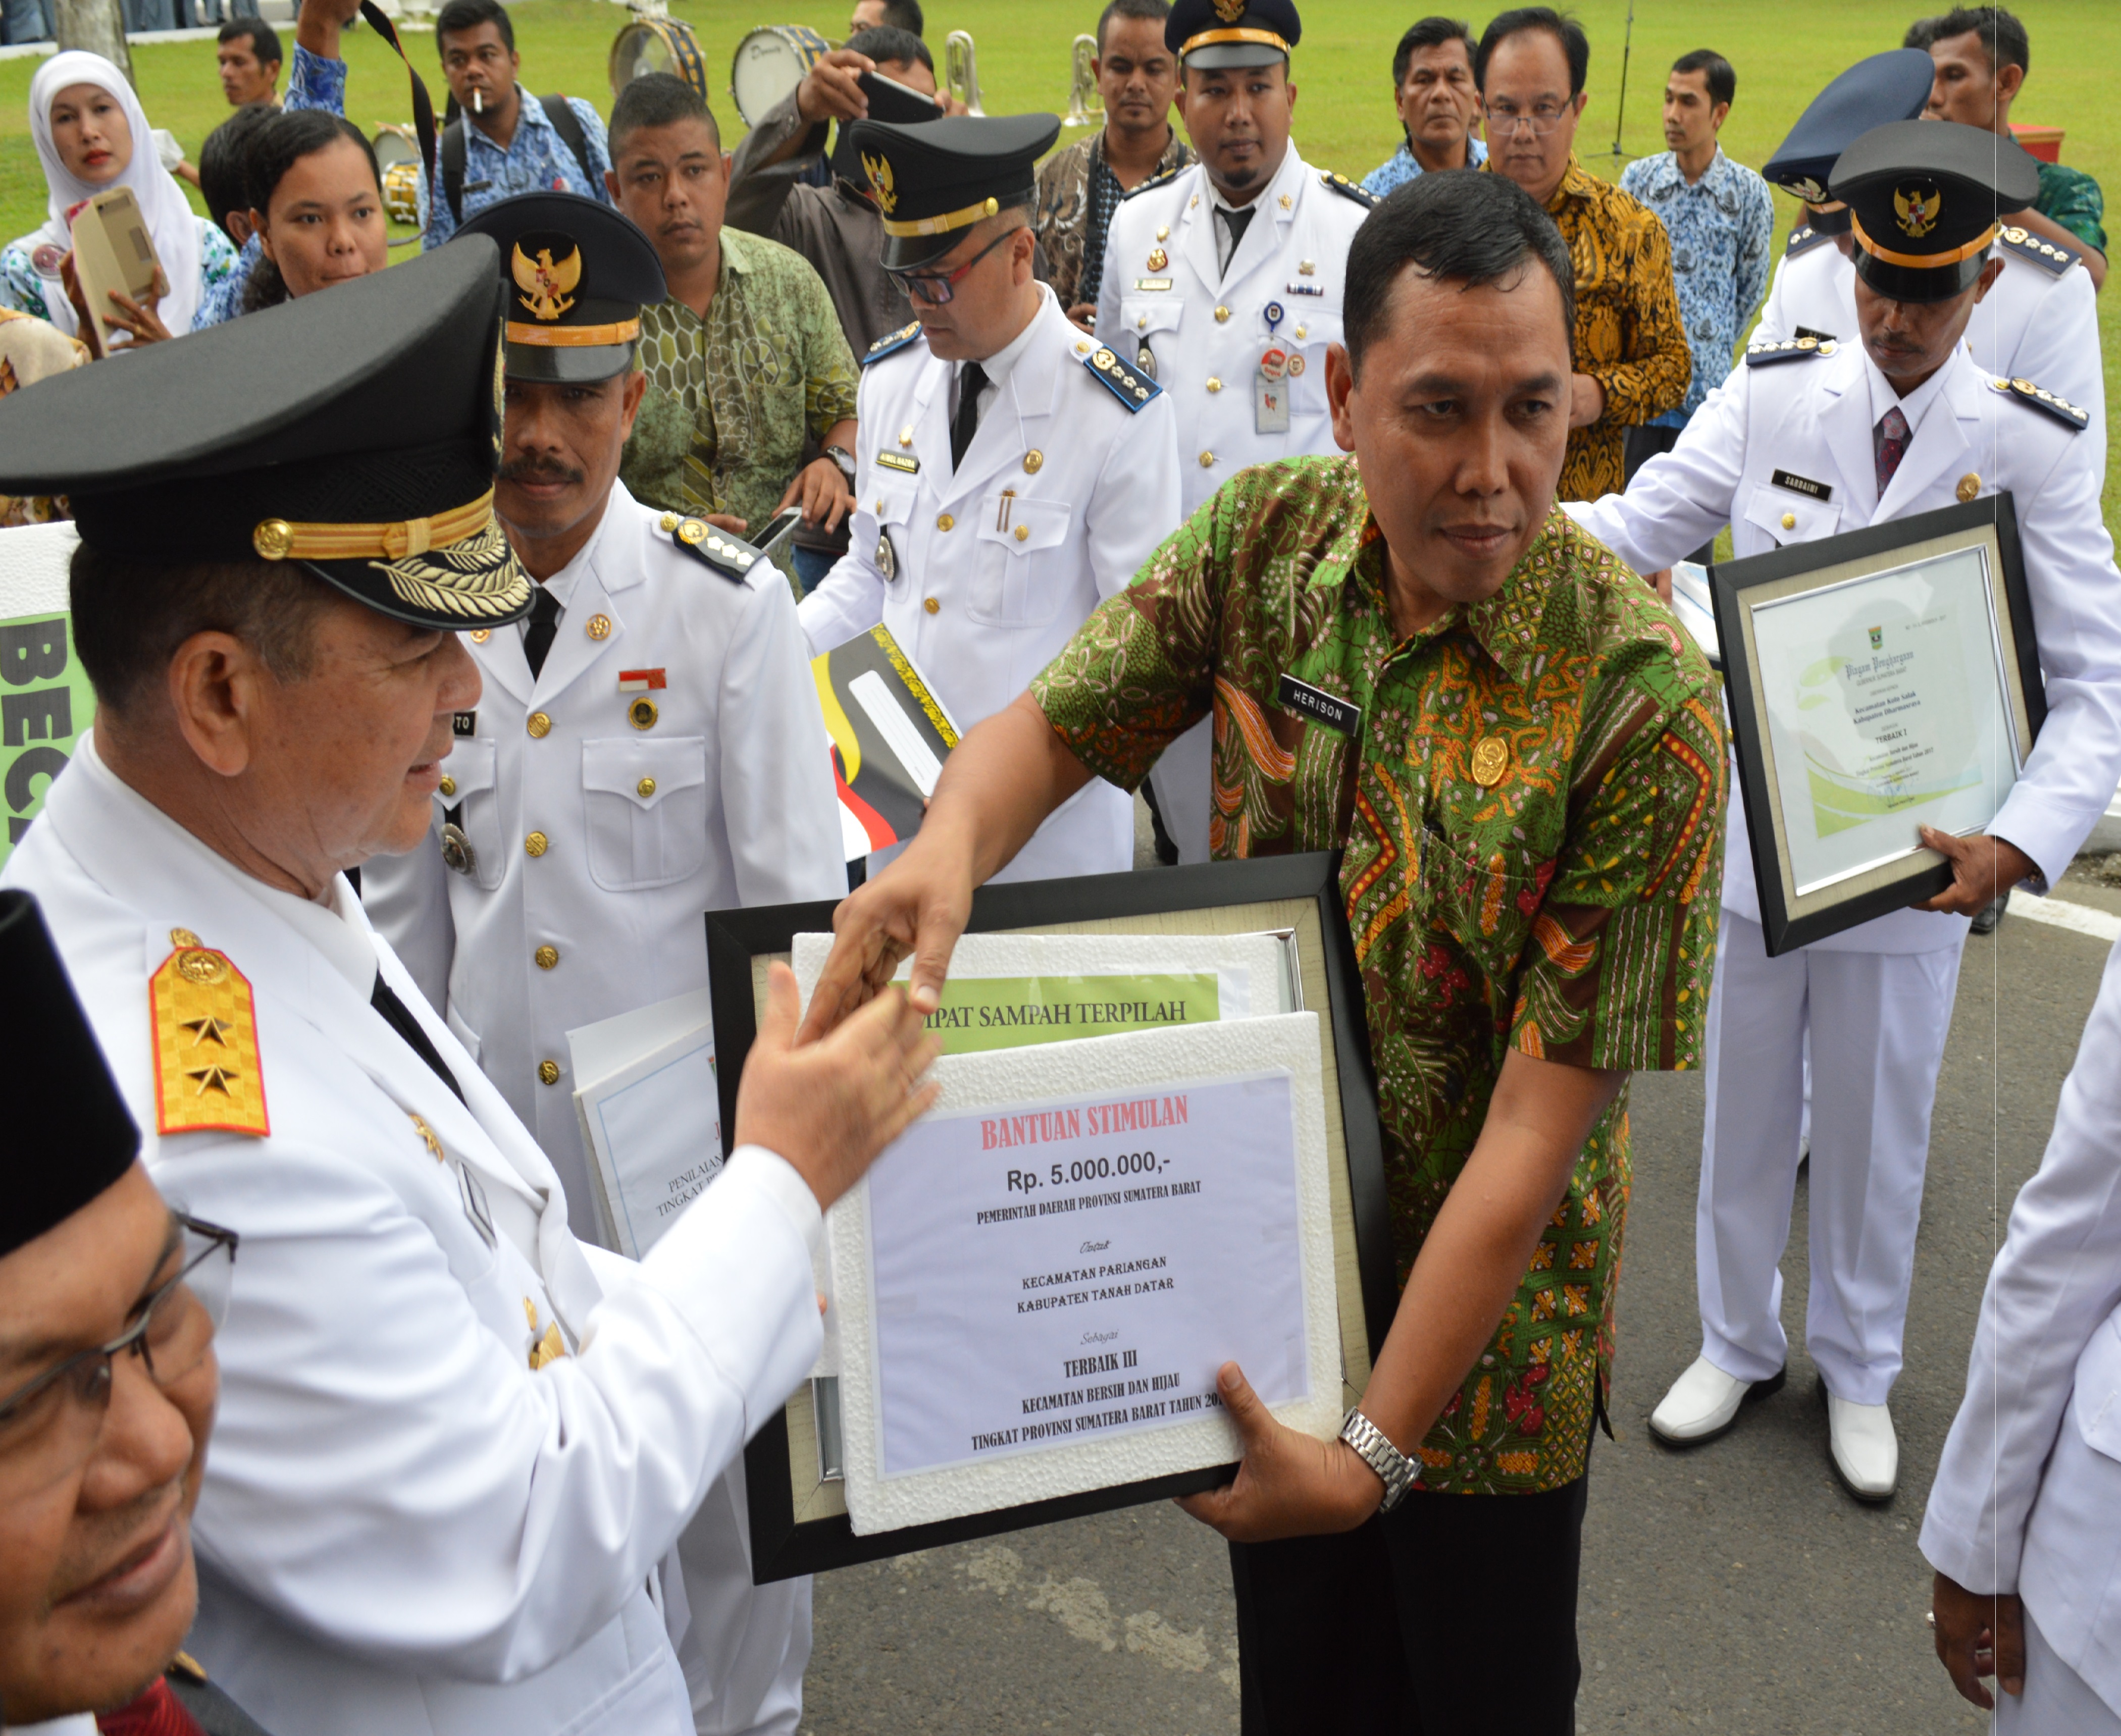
{"x": 1991, "y": 521}
{"x": 783, "y": 1546}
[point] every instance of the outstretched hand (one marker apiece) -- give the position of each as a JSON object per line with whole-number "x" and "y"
{"x": 1288, "y": 1484}
{"x": 1977, "y": 1635}
{"x": 913, "y": 906}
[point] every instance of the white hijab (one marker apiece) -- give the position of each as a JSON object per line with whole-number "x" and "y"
{"x": 162, "y": 203}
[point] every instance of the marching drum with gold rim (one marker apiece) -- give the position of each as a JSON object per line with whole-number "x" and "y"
{"x": 650, "y": 45}
{"x": 398, "y": 157}
{"x": 769, "y": 63}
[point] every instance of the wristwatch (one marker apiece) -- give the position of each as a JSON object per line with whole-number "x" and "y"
{"x": 845, "y": 459}
{"x": 1397, "y": 1470}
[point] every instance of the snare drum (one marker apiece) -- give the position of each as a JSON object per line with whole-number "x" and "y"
{"x": 658, "y": 45}
{"x": 769, "y": 63}
{"x": 398, "y": 156}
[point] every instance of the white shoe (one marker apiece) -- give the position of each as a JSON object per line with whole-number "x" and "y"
{"x": 1704, "y": 1402}
{"x": 1867, "y": 1454}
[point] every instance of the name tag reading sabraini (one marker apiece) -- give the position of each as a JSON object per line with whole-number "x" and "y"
{"x": 1805, "y": 486}
{"x": 1334, "y": 714}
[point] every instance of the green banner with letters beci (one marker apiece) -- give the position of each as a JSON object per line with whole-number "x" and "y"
{"x": 984, "y": 1013}
{"x": 46, "y": 705}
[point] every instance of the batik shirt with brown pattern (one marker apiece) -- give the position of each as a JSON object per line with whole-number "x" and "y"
{"x": 1554, "y": 893}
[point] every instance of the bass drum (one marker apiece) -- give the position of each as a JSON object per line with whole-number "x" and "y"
{"x": 769, "y": 63}
{"x": 658, "y": 45}
{"x": 398, "y": 156}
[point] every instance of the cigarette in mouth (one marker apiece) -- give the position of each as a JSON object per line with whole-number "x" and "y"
{"x": 478, "y": 101}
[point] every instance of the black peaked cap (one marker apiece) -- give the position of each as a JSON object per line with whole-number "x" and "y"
{"x": 577, "y": 275}
{"x": 1925, "y": 198}
{"x": 356, "y": 430}
{"x": 1213, "y": 34}
{"x": 69, "y": 1135}
{"x": 1893, "y": 86}
{"x": 933, "y": 180}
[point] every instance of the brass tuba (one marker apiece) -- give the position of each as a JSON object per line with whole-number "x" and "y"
{"x": 1085, "y": 104}
{"x": 961, "y": 70}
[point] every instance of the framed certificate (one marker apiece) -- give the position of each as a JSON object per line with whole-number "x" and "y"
{"x": 1250, "y": 1035}
{"x": 1879, "y": 682}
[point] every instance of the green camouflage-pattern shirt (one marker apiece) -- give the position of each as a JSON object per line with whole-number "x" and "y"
{"x": 1533, "y": 824}
{"x": 2073, "y": 199}
{"x": 733, "y": 398}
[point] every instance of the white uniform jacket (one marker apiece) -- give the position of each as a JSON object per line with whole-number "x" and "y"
{"x": 1811, "y": 417}
{"x": 2047, "y": 1366}
{"x": 726, "y": 798}
{"x": 1068, "y": 485}
{"x": 2039, "y": 320}
{"x": 405, "y": 1526}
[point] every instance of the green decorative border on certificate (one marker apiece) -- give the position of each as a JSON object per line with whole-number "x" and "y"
{"x": 1827, "y": 838}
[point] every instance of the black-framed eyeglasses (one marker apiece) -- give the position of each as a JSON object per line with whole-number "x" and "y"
{"x": 936, "y": 288}
{"x": 49, "y": 1426}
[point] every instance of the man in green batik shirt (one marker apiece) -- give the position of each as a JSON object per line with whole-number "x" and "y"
{"x": 1521, "y": 756}
{"x": 746, "y": 362}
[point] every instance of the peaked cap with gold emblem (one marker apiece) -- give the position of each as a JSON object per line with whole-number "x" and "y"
{"x": 578, "y": 274}
{"x": 355, "y": 432}
{"x": 933, "y": 181}
{"x": 1893, "y": 86}
{"x": 1926, "y": 198}
{"x": 69, "y": 1136}
{"x": 1211, "y": 34}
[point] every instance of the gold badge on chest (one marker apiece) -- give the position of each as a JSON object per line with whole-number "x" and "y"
{"x": 1491, "y": 760}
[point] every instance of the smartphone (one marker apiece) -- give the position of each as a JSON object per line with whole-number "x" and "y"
{"x": 773, "y": 542}
{"x": 112, "y": 250}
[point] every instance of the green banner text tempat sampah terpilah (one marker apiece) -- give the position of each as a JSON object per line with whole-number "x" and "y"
{"x": 984, "y": 1013}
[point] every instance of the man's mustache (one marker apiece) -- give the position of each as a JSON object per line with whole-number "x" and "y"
{"x": 540, "y": 470}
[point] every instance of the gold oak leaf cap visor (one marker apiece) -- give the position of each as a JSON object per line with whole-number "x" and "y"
{"x": 577, "y": 274}
{"x": 1893, "y": 86}
{"x": 356, "y": 432}
{"x": 70, "y": 1138}
{"x": 1925, "y": 199}
{"x": 933, "y": 180}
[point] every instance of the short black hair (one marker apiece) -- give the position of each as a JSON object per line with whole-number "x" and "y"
{"x": 1459, "y": 224}
{"x": 904, "y": 14}
{"x": 1430, "y": 33}
{"x": 265, "y": 40}
{"x": 1560, "y": 26}
{"x": 224, "y": 163}
{"x": 281, "y": 142}
{"x": 2002, "y": 35}
{"x": 1722, "y": 80}
{"x": 1149, "y": 11}
{"x": 882, "y": 42}
{"x": 469, "y": 15}
{"x": 657, "y": 99}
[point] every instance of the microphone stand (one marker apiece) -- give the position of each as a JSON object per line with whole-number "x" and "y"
{"x": 1627, "y": 51}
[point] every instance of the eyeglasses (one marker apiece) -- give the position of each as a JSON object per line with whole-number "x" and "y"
{"x": 1506, "y": 118}
{"x": 937, "y": 288}
{"x": 48, "y": 1427}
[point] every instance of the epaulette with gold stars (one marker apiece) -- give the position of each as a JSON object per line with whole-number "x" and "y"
{"x": 1162, "y": 178}
{"x": 891, "y": 343}
{"x": 2050, "y": 256}
{"x": 1130, "y": 385}
{"x": 2077, "y": 418}
{"x": 1348, "y": 189}
{"x": 709, "y": 547}
{"x": 1788, "y": 349}
{"x": 206, "y": 1044}
{"x": 1802, "y": 239}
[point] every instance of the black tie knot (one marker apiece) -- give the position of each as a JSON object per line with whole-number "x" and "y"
{"x": 965, "y": 424}
{"x": 544, "y": 623}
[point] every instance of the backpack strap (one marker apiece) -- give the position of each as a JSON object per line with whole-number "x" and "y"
{"x": 453, "y": 167}
{"x": 568, "y": 125}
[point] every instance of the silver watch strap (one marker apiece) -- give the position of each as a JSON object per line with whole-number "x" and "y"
{"x": 1393, "y": 1467}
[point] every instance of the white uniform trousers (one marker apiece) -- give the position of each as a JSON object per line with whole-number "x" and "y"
{"x": 2057, "y": 1701}
{"x": 2080, "y": 1498}
{"x": 1877, "y": 1022}
{"x": 743, "y": 1648}
{"x": 1184, "y": 781}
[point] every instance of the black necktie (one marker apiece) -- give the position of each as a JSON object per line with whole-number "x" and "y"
{"x": 544, "y": 623}
{"x": 965, "y": 422}
{"x": 399, "y": 1017}
{"x": 1234, "y": 224}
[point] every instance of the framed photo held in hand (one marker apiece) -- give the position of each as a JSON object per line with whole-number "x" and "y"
{"x": 1878, "y": 682}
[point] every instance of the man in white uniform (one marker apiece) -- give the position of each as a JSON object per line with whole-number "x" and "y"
{"x": 648, "y": 747}
{"x": 454, "y": 1443}
{"x": 2039, "y": 320}
{"x": 1223, "y": 282}
{"x": 1801, "y": 443}
{"x": 2024, "y": 1523}
{"x": 1011, "y": 473}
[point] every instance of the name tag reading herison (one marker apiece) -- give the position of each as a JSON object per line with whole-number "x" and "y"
{"x": 1334, "y": 714}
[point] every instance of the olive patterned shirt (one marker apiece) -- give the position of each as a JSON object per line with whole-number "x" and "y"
{"x": 735, "y": 400}
{"x": 1532, "y": 824}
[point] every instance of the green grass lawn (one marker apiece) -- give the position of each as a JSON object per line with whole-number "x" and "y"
{"x": 1344, "y": 116}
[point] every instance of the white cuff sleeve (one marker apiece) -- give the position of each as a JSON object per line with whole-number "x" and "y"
{"x": 777, "y": 1177}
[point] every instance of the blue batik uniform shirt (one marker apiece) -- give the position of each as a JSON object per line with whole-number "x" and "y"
{"x": 1403, "y": 165}
{"x": 1721, "y": 229}
{"x": 538, "y": 160}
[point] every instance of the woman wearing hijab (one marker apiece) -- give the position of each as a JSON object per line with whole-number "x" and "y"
{"x": 91, "y": 135}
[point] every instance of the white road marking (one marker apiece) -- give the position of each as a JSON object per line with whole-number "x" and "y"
{"x": 2060, "y": 913}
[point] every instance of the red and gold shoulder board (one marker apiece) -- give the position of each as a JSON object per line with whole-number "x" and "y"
{"x": 207, "y": 1074}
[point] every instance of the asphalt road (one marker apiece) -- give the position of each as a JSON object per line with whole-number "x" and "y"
{"x": 1734, "y": 1588}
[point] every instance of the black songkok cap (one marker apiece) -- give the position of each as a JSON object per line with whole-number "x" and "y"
{"x": 1924, "y": 200}
{"x": 578, "y": 275}
{"x": 1207, "y": 34}
{"x": 1893, "y": 86}
{"x": 355, "y": 430}
{"x": 69, "y": 1136}
{"x": 933, "y": 179}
